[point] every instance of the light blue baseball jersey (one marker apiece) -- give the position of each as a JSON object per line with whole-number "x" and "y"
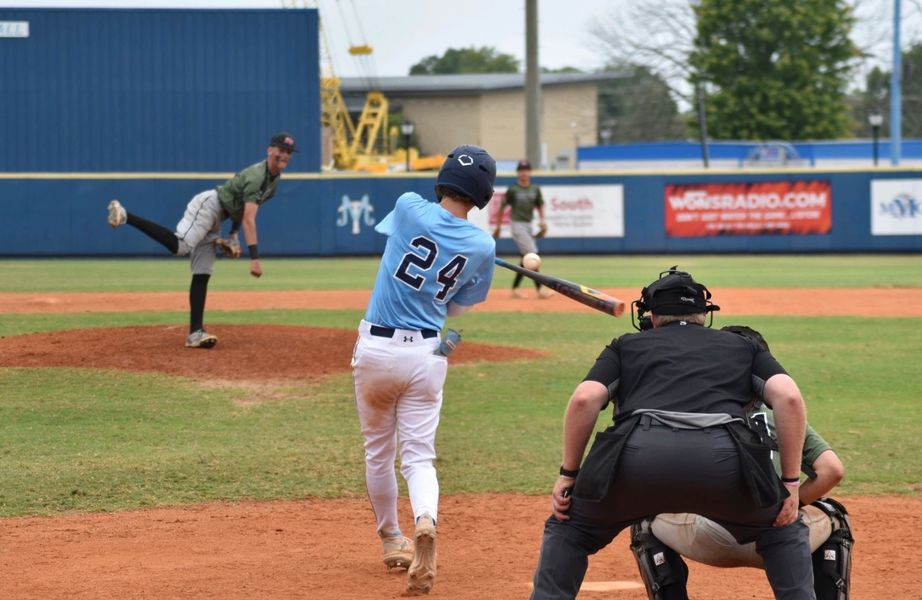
{"x": 431, "y": 258}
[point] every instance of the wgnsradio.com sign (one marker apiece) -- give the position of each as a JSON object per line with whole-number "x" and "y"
{"x": 762, "y": 208}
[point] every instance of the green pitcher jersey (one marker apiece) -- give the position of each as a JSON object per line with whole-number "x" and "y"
{"x": 253, "y": 184}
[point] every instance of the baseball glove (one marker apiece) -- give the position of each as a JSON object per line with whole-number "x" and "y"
{"x": 542, "y": 230}
{"x": 230, "y": 247}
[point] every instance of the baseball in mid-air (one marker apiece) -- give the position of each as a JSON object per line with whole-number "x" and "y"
{"x": 531, "y": 261}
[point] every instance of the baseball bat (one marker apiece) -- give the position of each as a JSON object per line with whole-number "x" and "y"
{"x": 582, "y": 294}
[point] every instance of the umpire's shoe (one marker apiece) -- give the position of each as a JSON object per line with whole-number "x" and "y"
{"x": 201, "y": 339}
{"x": 421, "y": 574}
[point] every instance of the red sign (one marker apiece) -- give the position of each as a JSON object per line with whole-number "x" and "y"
{"x": 773, "y": 207}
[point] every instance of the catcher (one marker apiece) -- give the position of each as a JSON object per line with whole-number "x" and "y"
{"x": 658, "y": 544}
{"x": 525, "y": 198}
{"x": 197, "y": 233}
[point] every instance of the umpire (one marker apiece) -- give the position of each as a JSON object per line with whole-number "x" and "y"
{"x": 679, "y": 443}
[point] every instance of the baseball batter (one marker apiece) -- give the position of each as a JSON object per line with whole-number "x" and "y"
{"x": 435, "y": 264}
{"x": 524, "y": 198}
{"x": 197, "y": 233}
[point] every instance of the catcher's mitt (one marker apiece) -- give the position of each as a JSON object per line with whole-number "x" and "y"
{"x": 230, "y": 248}
{"x": 542, "y": 230}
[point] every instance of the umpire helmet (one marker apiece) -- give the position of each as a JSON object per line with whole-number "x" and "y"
{"x": 675, "y": 293}
{"x": 470, "y": 171}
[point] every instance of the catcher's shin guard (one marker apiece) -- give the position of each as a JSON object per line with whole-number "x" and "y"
{"x": 832, "y": 561}
{"x": 663, "y": 571}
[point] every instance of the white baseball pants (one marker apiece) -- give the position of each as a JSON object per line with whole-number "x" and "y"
{"x": 398, "y": 394}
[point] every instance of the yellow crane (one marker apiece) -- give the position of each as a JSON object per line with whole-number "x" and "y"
{"x": 358, "y": 145}
{"x": 361, "y": 145}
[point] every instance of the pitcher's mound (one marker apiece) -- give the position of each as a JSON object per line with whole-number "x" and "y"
{"x": 243, "y": 352}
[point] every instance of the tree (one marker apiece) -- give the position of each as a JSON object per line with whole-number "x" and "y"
{"x": 656, "y": 34}
{"x": 638, "y": 108}
{"x": 561, "y": 70}
{"x": 876, "y": 97}
{"x": 773, "y": 69}
{"x": 466, "y": 60}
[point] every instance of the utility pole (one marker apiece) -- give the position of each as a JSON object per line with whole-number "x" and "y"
{"x": 532, "y": 86}
{"x": 703, "y": 126}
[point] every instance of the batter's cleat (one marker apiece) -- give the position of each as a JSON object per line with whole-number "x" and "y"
{"x": 201, "y": 339}
{"x": 545, "y": 293}
{"x": 421, "y": 574}
{"x": 117, "y": 214}
{"x": 398, "y": 552}
{"x": 517, "y": 293}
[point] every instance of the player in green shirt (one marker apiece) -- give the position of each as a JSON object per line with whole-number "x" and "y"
{"x": 524, "y": 198}
{"x": 197, "y": 233}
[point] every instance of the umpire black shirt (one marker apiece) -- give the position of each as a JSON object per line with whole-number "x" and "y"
{"x": 682, "y": 367}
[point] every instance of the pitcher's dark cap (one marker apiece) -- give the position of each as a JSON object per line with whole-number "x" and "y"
{"x": 523, "y": 165}
{"x": 286, "y": 141}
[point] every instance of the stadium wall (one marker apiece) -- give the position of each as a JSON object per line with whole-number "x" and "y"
{"x": 63, "y": 214}
{"x": 103, "y": 90}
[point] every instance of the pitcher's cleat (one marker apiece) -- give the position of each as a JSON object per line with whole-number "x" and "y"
{"x": 201, "y": 339}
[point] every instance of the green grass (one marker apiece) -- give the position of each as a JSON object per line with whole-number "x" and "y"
{"x": 170, "y": 274}
{"x": 103, "y": 440}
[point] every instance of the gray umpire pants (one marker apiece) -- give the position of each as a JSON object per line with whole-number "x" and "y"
{"x": 661, "y": 470}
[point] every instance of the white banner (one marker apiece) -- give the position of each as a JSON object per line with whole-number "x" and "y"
{"x": 896, "y": 207}
{"x": 571, "y": 211}
{"x": 14, "y": 29}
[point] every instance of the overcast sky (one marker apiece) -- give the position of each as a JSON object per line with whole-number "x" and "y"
{"x": 402, "y": 32}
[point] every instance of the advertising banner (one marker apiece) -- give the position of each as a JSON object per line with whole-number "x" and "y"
{"x": 571, "y": 211}
{"x": 896, "y": 208}
{"x": 770, "y": 207}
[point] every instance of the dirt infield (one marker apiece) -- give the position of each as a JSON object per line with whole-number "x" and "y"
{"x": 326, "y": 549}
{"x": 741, "y": 301}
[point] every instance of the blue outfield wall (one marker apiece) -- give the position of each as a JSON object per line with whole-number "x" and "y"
{"x": 64, "y": 215}
{"x": 100, "y": 90}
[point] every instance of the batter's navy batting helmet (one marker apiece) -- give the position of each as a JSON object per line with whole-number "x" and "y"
{"x": 470, "y": 171}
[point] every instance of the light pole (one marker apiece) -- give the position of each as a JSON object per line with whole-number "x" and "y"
{"x": 406, "y": 128}
{"x": 702, "y": 125}
{"x": 875, "y": 119}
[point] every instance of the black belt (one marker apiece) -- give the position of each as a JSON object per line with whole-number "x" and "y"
{"x": 390, "y": 331}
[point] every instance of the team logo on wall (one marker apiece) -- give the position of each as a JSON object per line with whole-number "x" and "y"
{"x": 357, "y": 212}
{"x": 895, "y": 207}
{"x": 903, "y": 206}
